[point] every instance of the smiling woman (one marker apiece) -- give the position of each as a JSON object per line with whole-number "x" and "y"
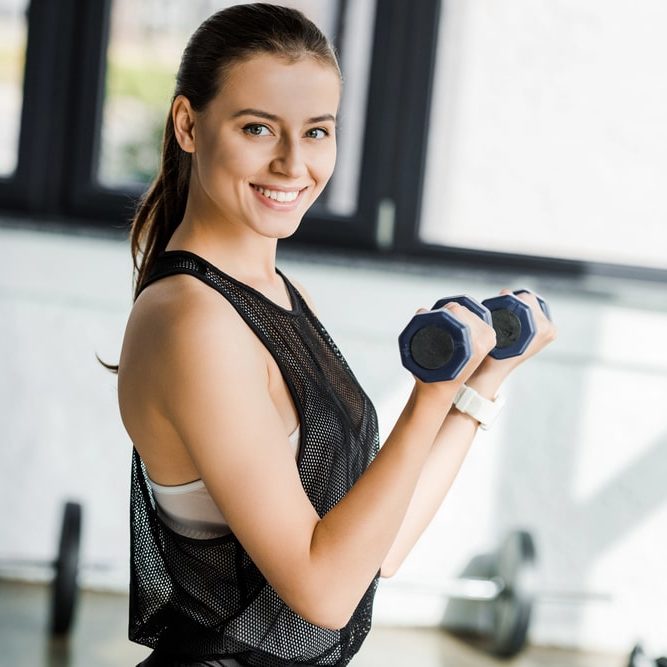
{"x": 262, "y": 511}
{"x": 143, "y": 52}
{"x": 291, "y": 154}
{"x": 249, "y": 146}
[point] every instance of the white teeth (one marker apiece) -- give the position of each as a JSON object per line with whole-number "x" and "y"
{"x": 277, "y": 195}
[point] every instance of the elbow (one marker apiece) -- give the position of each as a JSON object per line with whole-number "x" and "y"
{"x": 325, "y": 613}
{"x": 330, "y": 622}
{"x": 318, "y": 608}
{"x": 328, "y": 610}
{"x": 323, "y": 616}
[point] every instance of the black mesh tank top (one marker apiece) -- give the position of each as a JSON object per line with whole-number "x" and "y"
{"x": 197, "y": 599}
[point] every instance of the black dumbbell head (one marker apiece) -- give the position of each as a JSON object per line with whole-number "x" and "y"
{"x": 435, "y": 346}
{"x": 513, "y": 323}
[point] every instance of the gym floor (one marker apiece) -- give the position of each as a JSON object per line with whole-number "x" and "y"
{"x": 99, "y": 639}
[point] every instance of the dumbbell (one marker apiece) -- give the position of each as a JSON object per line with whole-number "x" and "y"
{"x": 64, "y": 586}
{"x": 435, "y": 346}
{"x": 513, "y": 322}
{"x": 638, "y": 658}
{"x": 491, "y": 603}
{"x": 511, "y": 319}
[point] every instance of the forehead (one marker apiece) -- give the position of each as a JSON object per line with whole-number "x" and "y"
{"x": 303, "y": 88}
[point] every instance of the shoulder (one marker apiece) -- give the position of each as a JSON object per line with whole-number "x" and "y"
{"x": 178, "y": 324}
{"x": 178, "y": 307}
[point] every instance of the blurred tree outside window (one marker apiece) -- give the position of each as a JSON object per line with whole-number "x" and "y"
{"x": 145, "y": 45}
{"x": 13, "y": 37}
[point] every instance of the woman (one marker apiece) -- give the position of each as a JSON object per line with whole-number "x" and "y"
{"x": 262, "y": 511}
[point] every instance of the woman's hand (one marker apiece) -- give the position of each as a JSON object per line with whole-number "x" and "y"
{"x": 494, "y": 371}
{"x": 483, "y": 340}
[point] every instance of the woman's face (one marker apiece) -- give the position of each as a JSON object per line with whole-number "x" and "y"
{"x": 286, "y": 143}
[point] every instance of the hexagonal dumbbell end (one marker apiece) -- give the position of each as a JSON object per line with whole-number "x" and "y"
{"x": 540, "y": 300}
{"x": 435, "y": 346}
{"x": 513, "y": 323}
{"x": 481, "y": 311}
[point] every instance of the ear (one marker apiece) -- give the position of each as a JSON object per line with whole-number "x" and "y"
{"x": 183, "y": 118}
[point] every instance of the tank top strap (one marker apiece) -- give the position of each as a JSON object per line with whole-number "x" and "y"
{"x": 171, "y": 262}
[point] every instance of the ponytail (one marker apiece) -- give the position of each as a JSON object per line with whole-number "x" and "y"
{"x": 161, "y": 208}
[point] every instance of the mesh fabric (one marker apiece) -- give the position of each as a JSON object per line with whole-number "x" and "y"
{"x": 198, "y": 599}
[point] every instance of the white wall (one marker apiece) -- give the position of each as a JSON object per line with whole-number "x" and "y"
{"x": 578, "y": 457}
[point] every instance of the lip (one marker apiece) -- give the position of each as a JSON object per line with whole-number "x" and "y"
{"x": 275, "y": 205}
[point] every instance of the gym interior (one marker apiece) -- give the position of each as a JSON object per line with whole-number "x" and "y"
{"x": 522, "y": 145}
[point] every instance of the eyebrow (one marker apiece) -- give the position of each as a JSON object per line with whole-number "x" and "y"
{"x": 270, "y": 116}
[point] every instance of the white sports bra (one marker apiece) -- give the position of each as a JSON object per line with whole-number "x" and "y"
{"x": 188, "y": 509}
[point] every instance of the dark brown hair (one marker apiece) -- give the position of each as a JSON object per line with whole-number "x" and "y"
{"x": 223, "y": 40}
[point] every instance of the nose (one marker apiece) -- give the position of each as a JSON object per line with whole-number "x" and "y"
{"x": 289, "y": 159}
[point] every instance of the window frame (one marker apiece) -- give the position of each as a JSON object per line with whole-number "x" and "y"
{"x": 62, "y": 110}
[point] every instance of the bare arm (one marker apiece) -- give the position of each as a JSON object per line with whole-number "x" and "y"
{"x": 444, "y": 461}
{"x": 452, "y": 444}
{"x": 217, "y": 398}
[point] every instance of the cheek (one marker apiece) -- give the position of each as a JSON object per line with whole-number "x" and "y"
{"x": 325, "y": 163}
{"x": 223, "y": 166}
{"x": 233, "y": 157}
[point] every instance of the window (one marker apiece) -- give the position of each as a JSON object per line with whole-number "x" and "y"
{"x": 144, "y": 50}
{"x": 13, "y": 33}
{"x": 547, "y": 132}
{"x": 514, "y": 135}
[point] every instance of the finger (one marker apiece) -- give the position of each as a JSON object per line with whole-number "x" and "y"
{"x": 450, "y": 305}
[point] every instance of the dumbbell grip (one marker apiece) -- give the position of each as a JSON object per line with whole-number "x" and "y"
{"x": 543, "y": 304}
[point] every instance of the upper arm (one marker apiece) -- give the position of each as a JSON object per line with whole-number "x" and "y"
{"x": 216, "y": 395}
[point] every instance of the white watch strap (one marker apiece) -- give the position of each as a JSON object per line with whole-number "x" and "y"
{"x": 468, "y": 401}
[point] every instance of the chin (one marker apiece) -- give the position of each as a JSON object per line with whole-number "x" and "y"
{"x": 282, "y": 232}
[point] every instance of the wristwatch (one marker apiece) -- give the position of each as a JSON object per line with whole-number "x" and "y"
{"x": 468, "y": 401}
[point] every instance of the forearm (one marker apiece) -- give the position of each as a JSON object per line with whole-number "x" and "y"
{"x": 351, "y": 541}
{"x": 443, "y": 463}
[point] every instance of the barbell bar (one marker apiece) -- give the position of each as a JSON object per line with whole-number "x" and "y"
{"x": 491, "y": 603}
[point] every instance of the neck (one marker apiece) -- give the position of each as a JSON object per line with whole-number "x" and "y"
{"x": 236, "y": 250}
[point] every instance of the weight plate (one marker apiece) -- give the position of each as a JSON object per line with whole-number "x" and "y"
{"x": 431, "y": 347}
{"x": 512, "y": 609}
{"x": 434, "y": 346}
{"x": 64, "y": 588}
{"x": 507, "y": 326}
{"x": 498, "y": 626}
{"x": 514, "y": 324}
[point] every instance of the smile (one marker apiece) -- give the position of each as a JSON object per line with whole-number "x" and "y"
{"x": 278, "y": 199}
